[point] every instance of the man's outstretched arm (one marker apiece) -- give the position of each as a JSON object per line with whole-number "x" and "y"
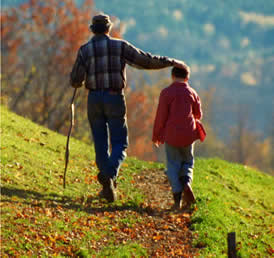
{"x": 144, "y": 60}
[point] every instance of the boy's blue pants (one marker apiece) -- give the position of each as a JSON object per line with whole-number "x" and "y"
{"x": 180, "y": 164}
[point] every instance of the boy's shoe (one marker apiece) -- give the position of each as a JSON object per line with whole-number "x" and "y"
{"x": 108, "y": 191}
{"x": 177, "y": 201}
{"x": 188, "y": 196}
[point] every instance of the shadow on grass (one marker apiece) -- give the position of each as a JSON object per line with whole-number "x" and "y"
{"x": 92, "y": 205}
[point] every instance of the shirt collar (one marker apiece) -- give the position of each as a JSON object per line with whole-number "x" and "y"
{"x": 100, "y": 36}
{"x": 179, "y": 83}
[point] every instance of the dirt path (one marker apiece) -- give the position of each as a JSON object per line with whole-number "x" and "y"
{"x": 163, "y": 233}
{"x": 154, "y": 184}
{"x": 167, "y": 232}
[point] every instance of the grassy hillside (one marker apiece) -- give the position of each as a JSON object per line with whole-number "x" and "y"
{"x": 38, "y": 217}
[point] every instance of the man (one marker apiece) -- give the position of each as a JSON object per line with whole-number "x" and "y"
{"x": 101, "y": 63}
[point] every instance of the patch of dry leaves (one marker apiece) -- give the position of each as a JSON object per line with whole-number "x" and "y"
{"x": 164, "y": 233}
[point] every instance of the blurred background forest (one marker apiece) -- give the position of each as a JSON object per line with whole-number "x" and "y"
{"x": 228, "y": 44}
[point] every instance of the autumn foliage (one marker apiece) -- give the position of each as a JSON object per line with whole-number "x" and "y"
{"x": 39, "y": 43}
{"x": 140, "y": 120}
{"x": 40, "y": 40}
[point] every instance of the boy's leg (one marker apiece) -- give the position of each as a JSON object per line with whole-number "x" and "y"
{"x": 173, "y": 169}
{"x": 187, "y": 165}
{"x": 186, "y": 173}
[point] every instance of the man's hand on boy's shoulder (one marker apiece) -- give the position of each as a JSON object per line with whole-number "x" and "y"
{"x": 179, "y": 63}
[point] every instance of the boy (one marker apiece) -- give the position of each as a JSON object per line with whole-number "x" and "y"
{"x": 177, "y": 125}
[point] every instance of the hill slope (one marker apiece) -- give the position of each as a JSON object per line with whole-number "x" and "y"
{"x": 40, "y": 218}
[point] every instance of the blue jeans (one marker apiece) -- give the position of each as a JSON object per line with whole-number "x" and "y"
{"x": 107, "y": 118}
{"x": 180, "y": 164}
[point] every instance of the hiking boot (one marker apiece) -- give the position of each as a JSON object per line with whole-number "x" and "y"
{"x": 111, "y": 195}
{"x": 108, "y": 192}
{"x": 177, "y": 201}
{"x": 188, "y": 196}
{"x": 115, "y": 183}
{"x": 101, "y": 193}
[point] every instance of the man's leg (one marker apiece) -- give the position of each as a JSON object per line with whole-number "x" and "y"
{"x": 100, "y": 139}
{"x": 98, "y": 124}
{"x": 119, "y": 143}
{"x": 115, "y": 110}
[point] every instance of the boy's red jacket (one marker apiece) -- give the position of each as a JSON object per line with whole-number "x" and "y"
{"x": 178, "y": 110}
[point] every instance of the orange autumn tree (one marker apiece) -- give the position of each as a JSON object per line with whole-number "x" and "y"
{"x": 142, "y": 101}
{"x": 40, "y": 40}
{"x": 141, "y": 113}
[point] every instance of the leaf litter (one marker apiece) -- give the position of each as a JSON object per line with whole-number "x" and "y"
{"x": 50, "y": 226}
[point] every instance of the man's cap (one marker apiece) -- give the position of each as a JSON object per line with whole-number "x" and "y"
{"x": 101, "y": 19}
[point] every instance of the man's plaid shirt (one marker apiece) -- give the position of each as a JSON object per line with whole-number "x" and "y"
{"x": 101, "y": 63}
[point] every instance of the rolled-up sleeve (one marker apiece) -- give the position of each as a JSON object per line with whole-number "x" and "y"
{"x": 144, "y": 60}
{"x": 78, "y": 73}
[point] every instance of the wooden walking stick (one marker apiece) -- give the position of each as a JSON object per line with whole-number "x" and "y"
{"x": 69, "y": 133}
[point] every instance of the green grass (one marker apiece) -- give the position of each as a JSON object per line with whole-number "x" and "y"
{"x": 40, "y": 218}
{"x": 123, "y": 251}
{"x": 233, "y": 198}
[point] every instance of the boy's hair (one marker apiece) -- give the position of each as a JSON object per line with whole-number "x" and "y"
{"x": 183, "y": 73}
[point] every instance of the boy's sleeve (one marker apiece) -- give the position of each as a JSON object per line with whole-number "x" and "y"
{"x": 197, "y": 107}
{"x": 160, "y": 119}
